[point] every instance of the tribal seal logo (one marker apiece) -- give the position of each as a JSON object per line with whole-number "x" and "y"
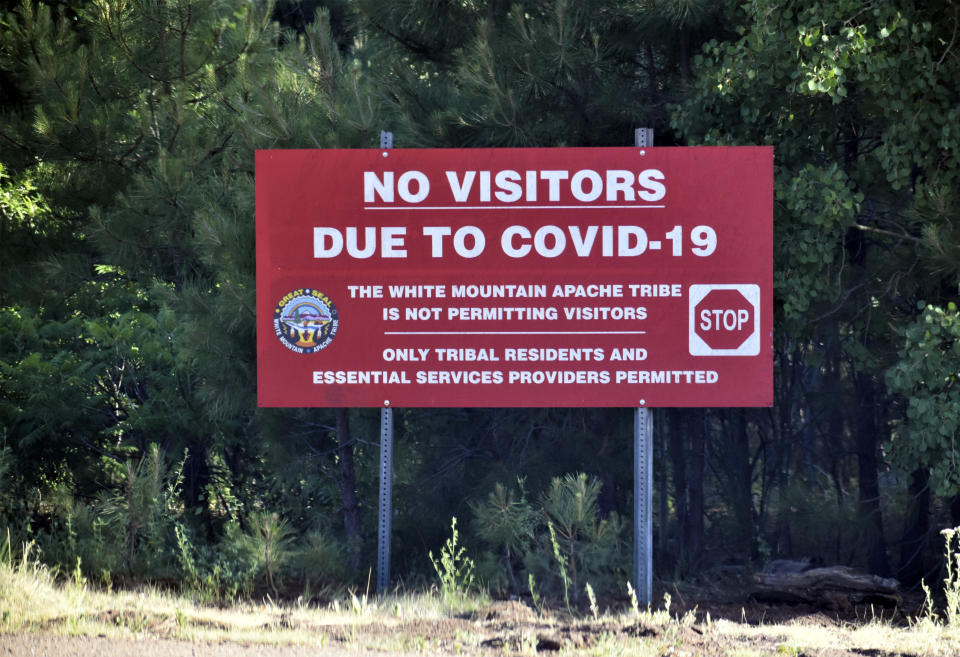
{"x": 305, "y": 320}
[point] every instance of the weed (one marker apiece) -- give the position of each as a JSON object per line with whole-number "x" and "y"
{"x": 527, "y": 643}
{"x": 535, "y": 597}
{"x": 6, "y": 553}
{"x": 593, "y": 601}
{"x": 27, "y": 589}
{"x": 78, "y": 590}
{"x": 928, "y": 612}
{"x": 454, "y": 568}
{"x": 79, "y": 581}
{"x": 951, "y": 584}
{"x": 561, "y": 564}
{"x": 181, "y": 619}
{"x": 359, "y": 604}
{"x": 185, "y": 557}
{"x": 634, "y": 603}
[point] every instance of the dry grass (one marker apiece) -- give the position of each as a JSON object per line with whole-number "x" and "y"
{"x": 32, "y": 601}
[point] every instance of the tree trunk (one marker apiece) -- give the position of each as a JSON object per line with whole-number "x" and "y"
{"x": 694, "y": 522}
{"x": 914, "y": 542}
{"x": 733, "y": 457}
{"x": 660, "y": 472}
{"x": 836, "y": 587}
{"x": 196, "y": 479}
{"x": 871, "y": 514}
{"x": 836, "y": 436}
{"x": 347, "y": 480}
{"x": 678, "y": 427}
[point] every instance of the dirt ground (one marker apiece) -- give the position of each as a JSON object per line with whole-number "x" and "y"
{"x": 734, "y": 630}
{"x": 47, "y": 645}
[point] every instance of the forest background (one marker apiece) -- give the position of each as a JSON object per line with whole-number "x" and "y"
{"x": 132, "y": 448}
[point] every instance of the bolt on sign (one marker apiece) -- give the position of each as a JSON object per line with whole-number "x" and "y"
{"x": 515, "y": 277}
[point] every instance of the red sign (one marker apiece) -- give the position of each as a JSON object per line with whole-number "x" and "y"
{"x": 515, "y": 277}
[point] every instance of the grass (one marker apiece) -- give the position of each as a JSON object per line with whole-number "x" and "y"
{"x": 32, "y": 600}
{"x": 867, "y": 638}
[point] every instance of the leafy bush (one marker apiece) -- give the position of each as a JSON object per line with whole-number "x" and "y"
{"x": 507, "y": 522}
{"x": 563, "y": 542}
{"x": 592, "y": 546}
{"x": 128, "y": 528}
{"x": 319, "y": 559}
{"x": 269, "y": 538}
{"x": 924, "y": 377}
{"x": 141, "y": 511}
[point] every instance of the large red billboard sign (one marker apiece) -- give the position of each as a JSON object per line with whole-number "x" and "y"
{"x": 515, "y": 277}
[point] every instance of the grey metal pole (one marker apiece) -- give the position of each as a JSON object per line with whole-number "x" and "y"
{"x": 643, "y": 505}
{"x": 386, "y": 502}
{"x": 385, "y": 512}
{"x": 643, "y": 473}
{"x": 643, "y": 137}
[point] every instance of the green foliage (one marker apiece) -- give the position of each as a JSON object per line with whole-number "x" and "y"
{"x": 454, "y": 568}
{"x": 506, "y": 521}
{"x": 269, "y": 538}
{"x": 128, "y": 529}
{"x": 858, "y": 102}
{"x": 552, "y": 72}
{"x": 319, "y": 557}
{"x": 127, "y": 298}
{"x": 131, "y": 320}
{"x": 21, "y": 205}
{"x": 217, "y": 573}
{"x": 815, "y": 82}
{"x": 925, "y": 375}
{"x": 590, "y": 547}
{"x": 561, "y": 543}
{"x": 820, "y": 206}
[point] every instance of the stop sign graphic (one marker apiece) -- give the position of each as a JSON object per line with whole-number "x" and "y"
{"x": 724, "y": 320}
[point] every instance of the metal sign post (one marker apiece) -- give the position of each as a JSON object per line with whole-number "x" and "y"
{"x": 386, "y": 502}
{"x": 385, "y": 512}
{"x": 643, "y": 505}
{"x": 643, "y": 473}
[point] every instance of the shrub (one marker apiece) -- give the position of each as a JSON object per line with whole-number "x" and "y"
{"x": 563, "y": 542}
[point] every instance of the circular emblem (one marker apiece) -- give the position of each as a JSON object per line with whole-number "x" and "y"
{"x": 305, "y": 320}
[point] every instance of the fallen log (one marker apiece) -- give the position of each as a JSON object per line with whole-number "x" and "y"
{"x": 833, "y": 587}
